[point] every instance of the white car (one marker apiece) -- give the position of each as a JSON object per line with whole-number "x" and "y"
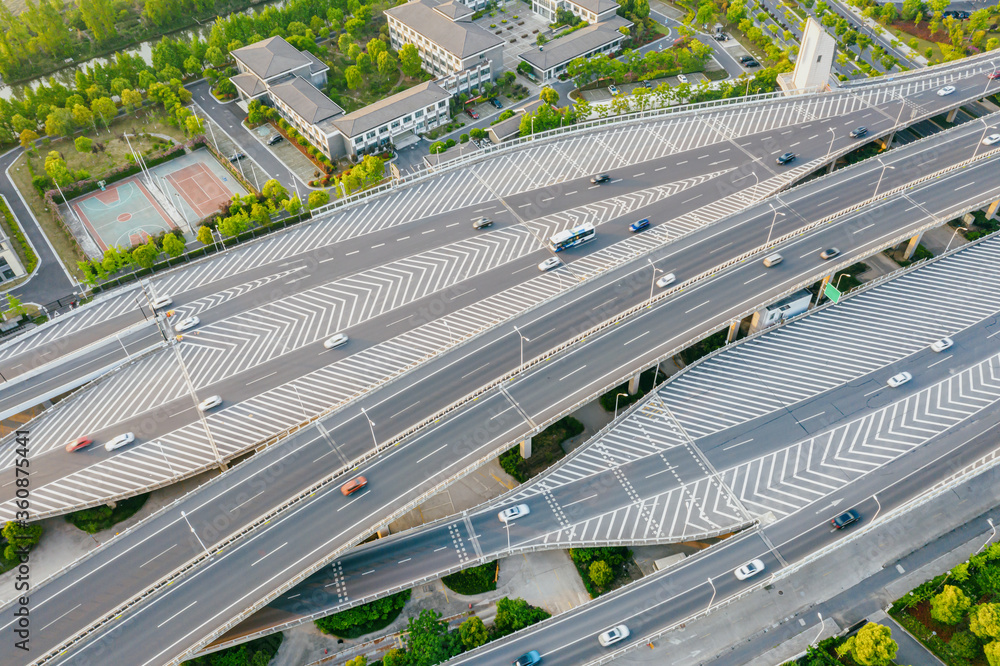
{"x": 513, "y": 512}
{"x": 942, "y": 344}
{"x": 991, "y": 139}
{"x": 682, "y": 78}
{"x": 669, "y": 278}
{"x": 162, "y": 302}
{"x": 549, "y": 264}
{"x": 947, "y": 90}
{"x": 899, "y": 380}
{"x": 335, "y": 341}
{"x": 120, "y": 441}
{"x": 208, "y": 403}
{"x": 185, "y": 324}
{"x": 612, "y": 636}
{"x": 751, "y": 568}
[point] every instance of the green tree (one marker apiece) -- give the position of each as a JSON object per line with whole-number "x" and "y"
{"x": 992, "y": 651}
{"x": 20, "y": 538}
{"x": 259, "y": 214}
{"x": 83, "y": 144}
{"x": 409, "y": 58}
{"x": 984, "y": 621}
{"x": 145, "y": 255}
{"x": 353, "y": 51}
{"x": 344, "y": 42}
{"x": 98, "y": 16}
{"x": 950, "y": 605}
{"x": 274, "y": 191}
{"x": 293, "y": 205}
{"x": 888, "y": 13}
{"x": 83, "y": 116}
{"x": 318, "y": 198}
{"x": 515, "y": 614}
{"x": 59, "y": 122}
{"x": 27, "y": 138}
{"x": 549, "y": 96}
{"x": 354, "y": 27}
{"x": 104, "y": 108}
{"x": 473, "y": 633}
{"x": 173, "y": 245}
{"x": 360, "y": 660}
{"x": 386, "y": 63}
{"x": 131, "y": 99}
{"x": 364, "y": 63}
{"x": 871, "y": 646}
{"x": 353, "y": 76}
{"x": 437, "y": 147}
{"x": 600, "y": 573}
{"x": 428, "y": 641}
{"x": 56, "y": 168}
{"x": 194, "y": 125}
{"x": 376, "y": 47}
{"x": 204, "y": 235}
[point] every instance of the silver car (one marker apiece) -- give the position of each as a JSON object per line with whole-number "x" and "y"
{"x": 612, "y": 636}
{"x": 335, "y": 341}
{"x": 549, "y": 264}
{"x": 185, "y": 324}
{"x": 899, "y": 380}
{"x": 513, "y": 512}
{"x": 120, "y": 441}
{"x": 751, "y": 568}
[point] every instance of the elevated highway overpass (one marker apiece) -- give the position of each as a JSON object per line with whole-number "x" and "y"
{"x": 263, "y": 321}
{"x": 229, "y": 505}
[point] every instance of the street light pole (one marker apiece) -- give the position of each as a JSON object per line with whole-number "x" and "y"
{"x": 616, "y": 403}
{"x": 833, "y": 135}
{"x": 713, "y": 592}
{"x": 523, "y": 340}
{"x": 773, "y": 220}
{"x": 184, "y": 516}
{"x": 981, "y": 139}
{"x": 957, "y": 229}
{"x": 884, "y": 167}
{"x": 652, "y": 283}
{"x": 370, "y": 426}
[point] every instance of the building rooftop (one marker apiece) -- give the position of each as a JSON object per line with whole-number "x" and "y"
{"x": 574, "y": 45}
{"x": 459, "y": 38}
{"x": 596, "y": 6}
{"x": 454, "y": 11}
{"x": 250, "y": 84}
{"x": 306, "y": 100}
{"x": 418, "y": 97}
{"x": 787, "y": 300}
{"x": 273, "y": 56}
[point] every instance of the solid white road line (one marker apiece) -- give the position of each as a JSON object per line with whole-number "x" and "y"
{"x": 153, "y": 558}
{"x": 733, "y": 446}
{"x": 177, "y": 613}
{"x": 271, "y": 553}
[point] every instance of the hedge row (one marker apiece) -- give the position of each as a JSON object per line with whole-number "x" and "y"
{"x": 30, "y": 258}
{"x": 366, "y": 618}
{"x": 475, "y": 580}
{"x": 102, "y": 517}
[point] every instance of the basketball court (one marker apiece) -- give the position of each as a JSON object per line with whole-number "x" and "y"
{"x": 126, "y": 213}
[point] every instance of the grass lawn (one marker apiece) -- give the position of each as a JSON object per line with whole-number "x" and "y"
{"x": 96, "y": 163}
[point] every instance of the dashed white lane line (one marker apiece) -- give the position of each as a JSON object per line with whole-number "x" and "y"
{"x": 262, "y": 378}
{"x": 350, "y": 253}
{"x": 150, "y": 560}
{"x": 733, "y": 446}
{"x": 573, "y": 373}
{"x": 635, "y": 338}
{"x": 60, "y": 617}
{"x": 270, "y": 554}
{"x": 177, "y": 613}
{"x": 697, "y": 306}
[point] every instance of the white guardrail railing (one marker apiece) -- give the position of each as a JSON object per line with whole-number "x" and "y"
{"x": 270, "y": 515}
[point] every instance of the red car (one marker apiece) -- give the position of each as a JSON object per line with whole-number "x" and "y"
{"x": 78, "y": 444}
{"x": 473, "y": 114}
{"x": 994, "y": 75}
{"x": 354, "y": 485}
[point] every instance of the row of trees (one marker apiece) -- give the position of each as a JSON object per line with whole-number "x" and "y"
{"x": 634, "y": 66}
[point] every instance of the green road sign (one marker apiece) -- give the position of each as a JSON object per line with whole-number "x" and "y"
{"x": 832, "y": 293}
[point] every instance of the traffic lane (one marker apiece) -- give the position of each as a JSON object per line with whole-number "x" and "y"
{"x": 332, "y": 520}
{"x": 645, "y": 605}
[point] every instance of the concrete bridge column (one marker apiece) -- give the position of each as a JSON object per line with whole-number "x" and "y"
{"x": 992, "y": 209}
{"x": 633, "y": 384}
{"x": 951, "y": 115}
{"x": 526, "y": 448}
{"x": 886, "y": 140}
{"x": 734, "y": 328}
{"x": 911, "y": 247}
{"x": 822, "y": 285}
{"x": 831, "y": 166}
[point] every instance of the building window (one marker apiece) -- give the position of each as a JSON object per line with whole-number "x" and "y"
{"x": 418, "y": 114}
{"x": 407, "y": 119}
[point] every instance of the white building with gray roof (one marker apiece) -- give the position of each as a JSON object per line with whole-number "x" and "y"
{"x": 550, "y": 60}
{"x": 453, "y": 48}
{"x": 591, "y": 11}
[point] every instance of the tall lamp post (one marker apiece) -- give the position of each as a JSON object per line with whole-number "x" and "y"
{"x": 957, "y": 229}
{"x": 652, "y": 283}
{"x": 616, "y": 403}
{"x": 884, "y": 167}
{"x": 523, "y": 340}
{"x": 773, "y": 220}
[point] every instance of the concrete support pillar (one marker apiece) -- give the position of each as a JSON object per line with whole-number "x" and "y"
{"x": 383, "y": 532}
{"x": 526, "y": 448}
{"x": 911, "y": 247}
{"x": 951, "y": 115}
{"x": 992, "y": 209}
{"x": 822, "y": 285}
{"x": 633, "y": 384}
{"x": 734, "y": 328}
{"x": 830, "y": 166}
{"x": 886, "y": 140}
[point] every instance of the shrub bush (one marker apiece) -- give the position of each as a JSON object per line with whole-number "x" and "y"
{"x": 475, "y": 580}
{"x": 258, "y": 652}
{"x": 364, "y": 619}
{"x": 102, "y": 517}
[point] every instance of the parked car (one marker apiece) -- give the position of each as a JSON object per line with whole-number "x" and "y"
{"x": 647, "y": 84}
{"x": 600, "y": 178}
{"x": 899, "y": 380}
{"x": 210, "y": 402}
{"x": 859, "y": 132}
{"x": 472, "y": 113}
{"x": 78, "y": 444}
{"x": 354, "y": 485}
{"x": 120, "y": 441}
{"x": 751, "y": 63}
{"x": 991, "y": 139}
{"x": 845, "y": 519}
{"x": 829, "y": 253}
{"x": 276, "y": 138}
{"x": 947, "y": 90}
{"x": 549, "y": 264}
{"x": 612, "y": 636}
{"x": 185, "y": 324}
{"x": 236, "y": 157}
{"x": 512, "y": 512}
{"x": 745, "y": 59}
{"x": 496, "y": 102}
{"x": 161, "y": 302}
{"x": 528, "y": 659}
{"x": 785, "y": 158}
{"x": 942, "y": 344}
{"x": 336, "y": 341}
{"x": 751, "y": 568}
{"x": 613, "y": 89}
{"x": 667, "y": 279}
{"x": 681, "y": 78}
{"x": 639, "y": 226}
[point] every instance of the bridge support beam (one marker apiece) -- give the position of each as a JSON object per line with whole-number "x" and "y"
{"x": 526, "y": 448}
{"x": 383, "y": 532}
{"x": 911, "y": 247}
{"x": 734, "y": 328}
{"x": 951, "y": 115}
{"x": 992, "y": 209}
{"x": 633, "y": 384}
{"x": 830, "y": 167}
{"x": 886, "y": 140}
{"x": 822, "y": 285}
